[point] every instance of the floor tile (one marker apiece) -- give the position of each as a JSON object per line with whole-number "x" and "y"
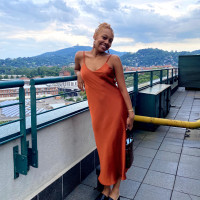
{"x": 91, "y": 180}
{"x": 145, "y": 152}
{"x": 164, "y": 166}
{"x": 128, "y": 188}
{"x": 175, "y": 135}
{"x": 187, "y": 185}
{"x": 170, "y": 148}
{"x": 159, "y": 179}
{"x": 149, "y": 144}
{"x": 182, "y": 196}
{"x": 177, "y": 130}
{"x": 191, "y": 151}
{"x": 196, "y": 108}
{"x": 173, "y": 141}
{"x": 149, "y": 192}
{"x": 136, "y": 142}
{"x": 189, "y": 170}
{"x": 167, "y": 156}
{"x": 82, "y": 192}
{"x": 142, "y": 161}
{"x": 162, "y": 129}
{"x": 154, "y": 138}
{"x": 136, "y": 173}
{"x": 192, "y": 143}
{"x": 181, "y": 118}
{"x": 194, "y": 160}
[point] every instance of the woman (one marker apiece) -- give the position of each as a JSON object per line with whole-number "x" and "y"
{"x": 110, "y": 107}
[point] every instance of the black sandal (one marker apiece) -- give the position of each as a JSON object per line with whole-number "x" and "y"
{"x": 109, "y": 198}
{"x": 101, "y": 196}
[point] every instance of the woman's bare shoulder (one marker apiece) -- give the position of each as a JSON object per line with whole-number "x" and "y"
{"x": 115, "y": 59}
{"x": 79, "y": 55}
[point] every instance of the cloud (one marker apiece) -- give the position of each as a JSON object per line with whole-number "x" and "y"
{"x": 184, "y": 45}
{"x": 56, "y": 24}
{"x": 148, "y": 26}
{"x": 33, "y": 15}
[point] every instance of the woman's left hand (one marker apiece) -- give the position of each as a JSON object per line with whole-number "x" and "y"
{"x": 129, "y": 122}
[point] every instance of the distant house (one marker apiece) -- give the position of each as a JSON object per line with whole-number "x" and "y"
{"x": 26, "y": 80}
{"x": 128, "y": 68}
{"x": 71, "y": 87}
{"x": 64, "y": 72}
{"x": 41, "y": 90}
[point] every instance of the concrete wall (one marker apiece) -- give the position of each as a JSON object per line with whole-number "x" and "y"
{"x": 60, "y": 147}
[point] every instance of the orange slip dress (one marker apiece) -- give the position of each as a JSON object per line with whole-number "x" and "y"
{"x": 108, "y": 113}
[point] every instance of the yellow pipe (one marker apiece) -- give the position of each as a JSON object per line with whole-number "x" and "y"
{"x": 167, "y": 122}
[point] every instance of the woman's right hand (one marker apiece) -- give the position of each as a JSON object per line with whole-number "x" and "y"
{"x": 80, "y": 81}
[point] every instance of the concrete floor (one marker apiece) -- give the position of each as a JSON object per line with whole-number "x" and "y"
{"x": 167, "y": 162}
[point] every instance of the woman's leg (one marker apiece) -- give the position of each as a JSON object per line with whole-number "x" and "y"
{"x": 106, "y": 191}
{"x": 115, "y": 190}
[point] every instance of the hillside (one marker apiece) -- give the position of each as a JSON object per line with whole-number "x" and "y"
{"x": 149, "y": 57}
{"x": 58, "y": 58}
{"x": 63, "y": 57}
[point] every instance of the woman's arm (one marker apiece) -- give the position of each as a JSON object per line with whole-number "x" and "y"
{"x": 117, "y": 65}
{"x": 77, "y": 69}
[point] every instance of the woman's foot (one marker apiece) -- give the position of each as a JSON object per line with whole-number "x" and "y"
{"x": 106, "y": 191}
{"x": 114, "y": 195}
{"x": 104, "y": 194}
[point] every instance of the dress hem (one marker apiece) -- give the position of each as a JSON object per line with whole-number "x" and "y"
{"x": 112, "y": 183}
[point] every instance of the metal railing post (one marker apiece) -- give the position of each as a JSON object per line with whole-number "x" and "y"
{"x": 21, "y": 161}
{"x": 151, "y": 79}
{"x": 172, "y": 76}
{"x": 22, "y": 121}
{"x": 33, "y": 151}
{"x": 161, "y": 76}
{"x": 167, "y": 76}
{"x": 135, "y": 88}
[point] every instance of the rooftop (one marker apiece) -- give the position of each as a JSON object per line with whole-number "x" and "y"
{"x": 166, "y": 162}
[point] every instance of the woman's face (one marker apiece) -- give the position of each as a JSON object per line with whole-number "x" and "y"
{"x": 103, "y": 40}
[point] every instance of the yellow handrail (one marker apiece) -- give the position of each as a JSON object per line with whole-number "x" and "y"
{"x": 167, "y": 122}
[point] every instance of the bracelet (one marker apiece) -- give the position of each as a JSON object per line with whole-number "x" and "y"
{"x": 130, "y": 110}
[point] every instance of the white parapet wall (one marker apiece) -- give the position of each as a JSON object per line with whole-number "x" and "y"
{"x": 60, "y": 147}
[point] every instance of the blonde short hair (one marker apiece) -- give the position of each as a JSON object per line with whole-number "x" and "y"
{"x": 102, "y": 26}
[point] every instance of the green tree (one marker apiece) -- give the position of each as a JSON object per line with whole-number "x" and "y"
{"x": 85, "y": 97}
{"x": 82, "y": 93}
{"x": 70, "y": 99}
{"x": 61, "y": 93}
{"x": 78, "y": 99}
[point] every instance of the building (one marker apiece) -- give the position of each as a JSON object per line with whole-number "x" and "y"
{"x": 64, "y": 72}
{"x": 40, "y": 90}
{"x": 70, "y": 87}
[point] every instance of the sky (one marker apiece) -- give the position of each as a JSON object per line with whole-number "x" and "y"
{"x": 32, "y": 27}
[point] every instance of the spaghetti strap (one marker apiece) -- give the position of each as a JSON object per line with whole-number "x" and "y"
{"x": 83, "y": 57}
{"x": 108, "y": 58}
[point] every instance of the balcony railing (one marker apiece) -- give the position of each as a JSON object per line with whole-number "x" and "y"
{"x": 135, "y": 82}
